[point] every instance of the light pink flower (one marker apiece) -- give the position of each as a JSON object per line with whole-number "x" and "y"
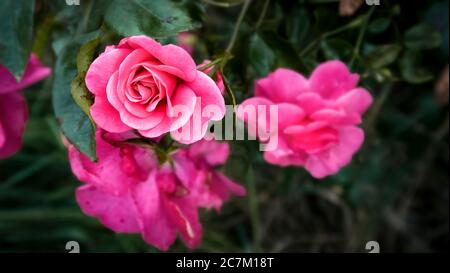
{"x": 143, "y": 85}
{"x": 131, "y": 193}
{"x": 13, "y": 107}
{"x": 317, "y": 118}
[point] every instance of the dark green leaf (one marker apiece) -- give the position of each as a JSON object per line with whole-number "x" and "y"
{"x": 261, "y": 56}
{"x": 16, "y": 30}
{"x": 337, "y": 49}
{"x": 383, "y": 56}
{"x": 285, "y": 53}
{"x": 75, "y": 124}
{"x": 86, "y": 55}
{"x": 155, "y": 18}
{"x": 422, "y": 37}
{"x": 81, "y": 95}
{"x": 412, "y": 69}
{"x": 379, "y": 25}
{"x": 298, "y": 26}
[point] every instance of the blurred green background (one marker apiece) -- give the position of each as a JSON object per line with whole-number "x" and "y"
{"x": 395, "y": 192}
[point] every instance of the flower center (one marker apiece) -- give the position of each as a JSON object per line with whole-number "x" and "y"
{"x": 313, "y": 138}
{"x": 146, "y": 86}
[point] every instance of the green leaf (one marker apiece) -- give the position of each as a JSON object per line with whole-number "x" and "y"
{"x": 81, "y": 95}
{"x": 298, "y": 26}
{"x": 379, "y": 25}
{"x": 285, "y": 53}
{"x": 75, "y": 124}
{"x": 155, "y": 18}
{"x": 337, "y": 49}
{"x": 261, "y": 56}
{"x": 422, "y": 37}
{"x": 16, "y": 31}
{"x": 86, "y": 55}
{"x": 412, "y": 69}
{"x": 383, "y": 56}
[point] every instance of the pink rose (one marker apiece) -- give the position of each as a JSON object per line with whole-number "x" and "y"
{"x": 13, "y": 107}
{"x": 153, "y": 89}
{"x": 130, "y": 193}
{"x": 317, "y": 118}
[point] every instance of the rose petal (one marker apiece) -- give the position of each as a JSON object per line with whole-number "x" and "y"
{"x": 332, "y": 79}
{"x": 214, "y": 152}
{"x": 283, "y": 85}
{"x": 183, "y": 101}
{"x": 175, "y": 59}
{"x": 157, "y": 228}
{"x": 34, "y": 72}
{"x": 356, "y": 101}
{"x": 330, "y": 162}
{"x": 13, "y": 116}
{"x": 128, "y": 119}
{"x": 184, "y": 214}
{"x": 107, "y": 117}
{"x": 284, "y": 156}
{"x": 336, "y": 117}
{"x": 102, "y": 69}
{"x": 115, "y": 212}
{"x": 205, "y": 88}
{"x": 311, "y": 102}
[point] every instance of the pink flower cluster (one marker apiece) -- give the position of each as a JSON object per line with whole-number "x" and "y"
{"x": 130, "y": 192}
{"x": 139, "y": 87}
{"x": 317, "y": 117}
{"x": 13, "y": 107}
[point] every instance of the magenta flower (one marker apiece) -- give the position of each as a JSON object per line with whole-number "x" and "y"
{"x": 195, "y": 167}
{"x": 143, "y": 85}
{"x": 131, "y": 193}
{"x": 317, "y": 118}
{"x": 13, "y": 107}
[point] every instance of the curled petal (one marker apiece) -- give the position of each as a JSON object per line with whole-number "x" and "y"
{"x": 34, "y": 72}
{"x": 332, "y": 79}
{"x": 283, "y": 85}
{"x": 174, "y": 58}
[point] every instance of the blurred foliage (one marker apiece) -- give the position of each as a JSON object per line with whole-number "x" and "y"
{"x": 396, "y": 191}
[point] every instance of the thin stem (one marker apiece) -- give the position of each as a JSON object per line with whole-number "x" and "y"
{"x": 209, "y": 65}
{"x": 84, "y": 23}
{"x": 325, "y": 35}
{"x": 372, "y": 118}
{"x": 254, "y": 209}
{"x": 360, "y": 38}
{"x": 229, "y": 90}
{"x": 263, "y": 14}
{"x": 237, "y": 26}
